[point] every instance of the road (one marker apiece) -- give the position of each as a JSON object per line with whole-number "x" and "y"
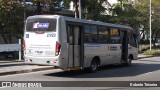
{"x": 147, "y": 69}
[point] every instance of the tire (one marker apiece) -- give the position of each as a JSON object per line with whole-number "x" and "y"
{"x": 2, "y": 57}
{"x": 94, "y": 66}
{"x": 129, "y": 62}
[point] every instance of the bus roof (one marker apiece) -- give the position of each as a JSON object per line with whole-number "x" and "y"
{"x": 96, "y": 22}
{"x": 81, "y": 21}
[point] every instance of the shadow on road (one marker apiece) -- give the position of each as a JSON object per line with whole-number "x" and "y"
{"x": 111, "y": 71}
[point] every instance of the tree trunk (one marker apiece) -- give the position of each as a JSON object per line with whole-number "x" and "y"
{"x": 5, "y": 39}
{"x": 38, "y": 8}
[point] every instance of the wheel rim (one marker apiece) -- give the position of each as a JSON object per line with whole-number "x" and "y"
{"x": 129, "y": 61}
{"x": 94, "y": 66}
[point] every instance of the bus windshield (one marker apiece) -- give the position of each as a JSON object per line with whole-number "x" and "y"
{"x": 41, "y": 24}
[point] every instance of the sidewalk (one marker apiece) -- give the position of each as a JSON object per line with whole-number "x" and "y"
{"x": 140, "y": 56}
{"x": 14, "y": 67}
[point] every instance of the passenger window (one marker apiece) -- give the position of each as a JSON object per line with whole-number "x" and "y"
{"x": 115, "y": 35}
{"x": 104, "y": 35}
{"x": 132, "y": 40}
{"x": 91, "y": 34}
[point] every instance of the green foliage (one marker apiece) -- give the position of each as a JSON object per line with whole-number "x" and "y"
{"x": 144, "y": 42}
{"x": 11, "y": 19}
{"x": 143, "y": 7}
{"x": 126, "y": 14}
{"x": 91, "y": 9}
{"x": 152, "y": 52}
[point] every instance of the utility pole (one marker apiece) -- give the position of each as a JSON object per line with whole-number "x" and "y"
{"x": 150, "y": 22}
{"x": 24, "y": 13}
{"x": 80, "y": 10}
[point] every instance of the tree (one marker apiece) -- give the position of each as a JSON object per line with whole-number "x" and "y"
{"x": 143, "y": 17}
{"x": 155, "y": 20}
{"x": 13, "y": 14}
{"x": 91, "y": 9}
{"x": 122, "y": 2}
{"x": 11, "y": 19}
{"x": 126, "y": 16}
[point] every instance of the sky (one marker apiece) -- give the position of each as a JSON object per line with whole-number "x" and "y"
{"x": 112, "y": 1}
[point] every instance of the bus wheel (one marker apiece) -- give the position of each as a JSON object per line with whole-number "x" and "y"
{"x": 129, "y": 62}
{"x": 94, "y": 66}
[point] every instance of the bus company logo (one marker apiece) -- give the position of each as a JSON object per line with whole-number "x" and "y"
{"x": 113, "y": 48}
{"x": 6, "y": 84}
{"x": 40, "y": 25}
{"x": 43, "y": 25}
{"x": 51, "y": 35}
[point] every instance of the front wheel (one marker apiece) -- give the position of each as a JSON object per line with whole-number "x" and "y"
{"x": 94, "y": 66}
{"x": 128, "y": 63}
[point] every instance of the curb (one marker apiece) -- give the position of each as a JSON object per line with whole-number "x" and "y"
{"x": 25, "y": 71}
{"x": 145, "y": 57}
{"x": 10, "y": 61}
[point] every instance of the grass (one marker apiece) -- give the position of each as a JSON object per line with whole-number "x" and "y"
{"x": 143, "y": 47}
{"x": 154, "y": 52}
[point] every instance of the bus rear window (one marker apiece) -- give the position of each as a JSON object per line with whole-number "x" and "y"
{"x": 41, "y": 24}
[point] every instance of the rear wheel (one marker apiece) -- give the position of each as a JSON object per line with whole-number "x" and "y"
{"x": 2, "y": 57}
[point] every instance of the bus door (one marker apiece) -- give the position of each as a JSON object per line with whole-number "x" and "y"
{"x": 75, "y": 48}
{"x": 124, "y": 46}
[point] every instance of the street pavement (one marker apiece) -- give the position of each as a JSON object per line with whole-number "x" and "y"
{"x": 8, "y": 67}
{"x": 146, "y": 69}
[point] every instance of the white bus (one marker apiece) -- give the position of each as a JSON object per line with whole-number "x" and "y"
{"x": 66, "y": 42}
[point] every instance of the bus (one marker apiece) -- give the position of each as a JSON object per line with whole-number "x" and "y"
{"x": 67, "y": 42}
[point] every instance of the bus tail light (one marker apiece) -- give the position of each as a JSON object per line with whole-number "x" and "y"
{"x": 58, "y": 47}
{"x": 24, "y": 46}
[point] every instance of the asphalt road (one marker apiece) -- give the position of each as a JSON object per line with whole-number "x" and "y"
{"x": 147, "y": 69}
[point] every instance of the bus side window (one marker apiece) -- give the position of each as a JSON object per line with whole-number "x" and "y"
{"x": 104, "y": 35}
{"x": 135, "y": 38}
{"x": 115, "y": 35}
{"x": 87, "y": 33}
{"x": 91, "y": 35}
{"x": 94, "y": 35}
{"x": 132, "y": 40}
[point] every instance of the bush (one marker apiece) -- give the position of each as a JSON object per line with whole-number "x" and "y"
{"x": 152, "y": 52}
{"x": 144, "y": 41}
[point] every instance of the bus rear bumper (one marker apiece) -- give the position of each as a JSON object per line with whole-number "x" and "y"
{"x": 42, "y": 60}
